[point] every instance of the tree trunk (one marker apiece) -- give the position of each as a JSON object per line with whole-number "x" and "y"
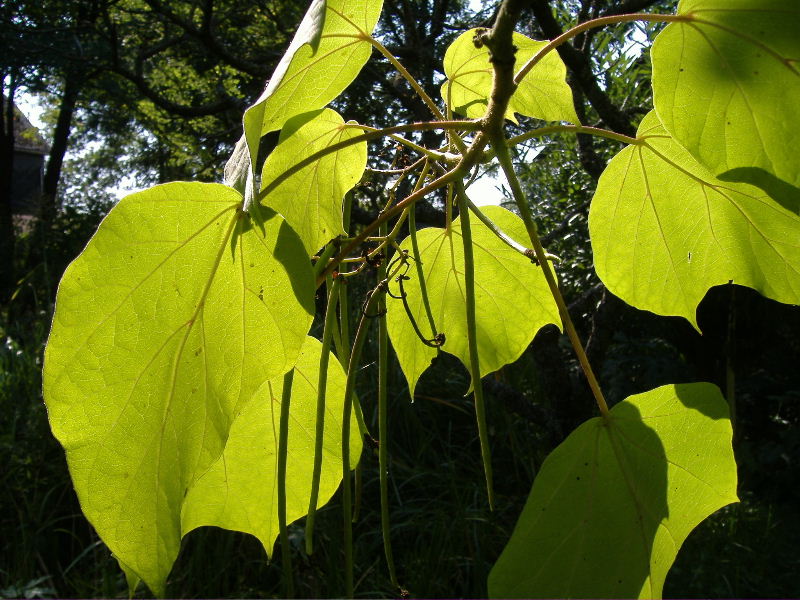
{"x": 7, "y": 236}
{"x": 49, "y": 202}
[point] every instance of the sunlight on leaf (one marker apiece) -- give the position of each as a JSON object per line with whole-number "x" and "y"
{"x": 726, "y": 85}
{"x": 613, "y": 503}
{"x": 542, "y": 94}
{"x": 511, "y": 295}
{"x": 309, "y": 77}
{"x": 174, "y": 315}
{"x": 240, "y": 490}
{"x": 664, "y": 230}
{"x": 311, "y": 200}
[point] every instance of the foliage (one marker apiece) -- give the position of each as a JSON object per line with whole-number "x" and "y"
{"x": 200, "y": 295}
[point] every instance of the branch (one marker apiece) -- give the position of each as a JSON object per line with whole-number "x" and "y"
{"x": 502, "y": 50}
{"x": 578, "y": 63}
{"x": 628, "y": 6}
{"x": 174, "y": 108}
{"x": 207, "y": 37}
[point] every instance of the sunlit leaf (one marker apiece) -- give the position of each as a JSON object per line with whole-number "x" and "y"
{"x": 311, "y": 199}
{"x": 543, "y": 93}
{"x": 726, "y": 86}
{"x": 512, "y": 298}
{"x": 240, "y": 490}
{"x": 664, "y": 230}
{"x": 177, "y": 311}
{"x": 317, "y": 67}
{"x": 613, "y": 503}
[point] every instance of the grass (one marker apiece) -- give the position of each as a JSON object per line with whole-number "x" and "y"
{"x": 444, "y": 537}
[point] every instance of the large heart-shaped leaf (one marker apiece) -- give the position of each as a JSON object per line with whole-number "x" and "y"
{"x": 240, "y": 490}
{"x": 613, "y": 503}
{"x": 311, "y": 199}
{"x": 664, "y": 230}
{"x": 726, "y": 84}
{"x": 542, "y": 94}
{"x": 511, "y": 295}
{"x": 177, "y": 311}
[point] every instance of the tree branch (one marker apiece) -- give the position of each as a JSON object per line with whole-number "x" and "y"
{"x": 207, "y": 37}
{"x": 174, "y": 108}
{"x": 579, "y": 65}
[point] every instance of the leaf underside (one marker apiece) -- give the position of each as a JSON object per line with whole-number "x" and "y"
{"x": 726, "y": 85}
{"x": 177, "y": 311}
{"x": 311, "y": 199}
{"x": 613, "y": 503}
{"x": 542, "y": 94}
{"x": 664, "y": 230}
{"x": 317, "y": 67}
{"x": 512, "y": 298}
{"x": 240, "y": 490}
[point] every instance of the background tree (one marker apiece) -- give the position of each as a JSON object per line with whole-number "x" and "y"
{"x": 153, "y": 91}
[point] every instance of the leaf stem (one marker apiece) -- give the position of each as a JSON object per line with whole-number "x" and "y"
{"x": 365, "y": 137}
{"x": 456, "y": 139}
{"x": 592, "y": 24}
{"x": 408, "y": 77}
{"x": 504, "y": 157}
{"x": 543, "y": 131}
{"x": 502, "y": 235}
{"x": 426, "y": 152}
{"x": 283, "y": 446}
{"x": 322, "y": 381}
{"x": 472, "y": 338}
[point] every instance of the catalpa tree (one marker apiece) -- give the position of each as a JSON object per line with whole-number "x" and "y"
{"x": 181, "y": 379}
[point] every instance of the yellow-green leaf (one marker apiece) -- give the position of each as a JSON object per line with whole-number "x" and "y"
{"x": 613, "y": 503}
{"x": 317, "y": 67}
{"x": 664, "y": 230}
{"x": 511, "y": 295}
{"x": 240, "y": 490}
{"x": 311, "y": 199}
{"x": 176, "y": 312}
{"x": 726, "y": 85}
{"x": 542, "y": 94}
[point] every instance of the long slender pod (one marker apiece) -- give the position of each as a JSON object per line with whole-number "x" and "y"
{"x": 283, "y": 445}
{"x": 349, "y": 394}
{"x": 346, "y": 352}
{"x": 327, "y": 332}
{"x": 472, "y": 335}
{"x": 383, "y": 420}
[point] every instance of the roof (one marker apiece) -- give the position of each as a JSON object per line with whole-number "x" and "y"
{"x": 26, "y": 136}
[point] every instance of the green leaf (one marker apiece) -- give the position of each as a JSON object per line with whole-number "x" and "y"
{"x": 542, "y": 94}
{"x": 312, "y": 74}
{"x": 131, "y": 578}
{"x": 311, "y": 199}
{"x": 174, "y": 315}
{"x": 239, "y": 491}
{"x": 613, "y": 503}
{"x": 511, "y": 295}
{"x": 664, "y": 230}
{"x": 726, "y": 85}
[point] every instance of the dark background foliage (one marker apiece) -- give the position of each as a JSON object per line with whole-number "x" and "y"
{"x": 144, "y": 91}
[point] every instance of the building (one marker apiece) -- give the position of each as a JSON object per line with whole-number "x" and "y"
{"x": 30, "y": 152}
